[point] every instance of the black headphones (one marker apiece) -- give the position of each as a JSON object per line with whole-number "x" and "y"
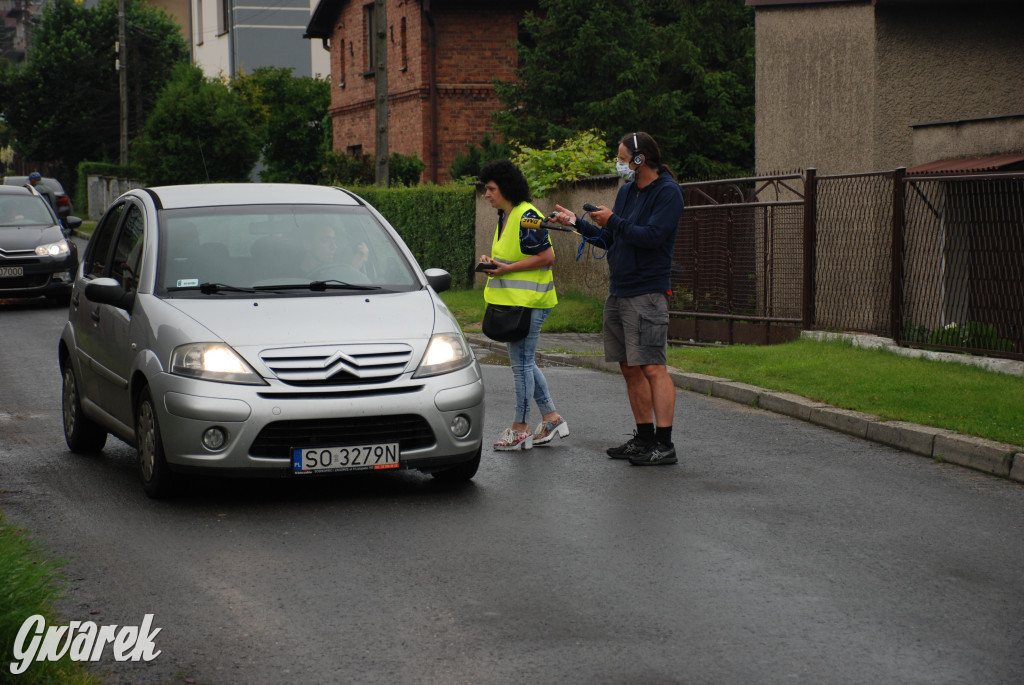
{"x": 638, "y": 157}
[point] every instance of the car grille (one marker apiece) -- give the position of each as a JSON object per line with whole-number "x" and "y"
{"x": 276, "y": 439}
{"x": 23, "y": 256}
{"x": 341, "y": 394}
{"x": 338, "y": 364}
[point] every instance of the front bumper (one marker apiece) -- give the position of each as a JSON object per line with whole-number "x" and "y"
{"x": 41, "y": 277}
{"x": 264, "y": 423}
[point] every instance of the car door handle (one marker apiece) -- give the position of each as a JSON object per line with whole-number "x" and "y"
{"x": 95, "y": 315}
{"x": 74, "y": 300}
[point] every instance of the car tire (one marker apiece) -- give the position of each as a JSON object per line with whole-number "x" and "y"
{"x": 82, "y": 434}
{"x": 462, "y": 473}
{"x": 157, "y": 478}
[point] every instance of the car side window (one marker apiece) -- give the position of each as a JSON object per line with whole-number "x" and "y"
{"x": 128, "y": 252}
{"x": 102, "y": 238}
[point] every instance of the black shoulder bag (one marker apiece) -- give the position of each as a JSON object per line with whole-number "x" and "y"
{"x": 506, "y": 323}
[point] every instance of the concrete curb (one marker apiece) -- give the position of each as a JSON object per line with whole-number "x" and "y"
{"x": 995, "y": 458}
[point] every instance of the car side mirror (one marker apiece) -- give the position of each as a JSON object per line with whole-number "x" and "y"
{"x": 72, "y": 222}
{"x": 439, "y": 279}
{"x": 109, "y": 291}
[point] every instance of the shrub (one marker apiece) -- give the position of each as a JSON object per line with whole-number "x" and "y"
{"x": 466, "y": 167}
{"x": 581, "y": 156}
{"x": 343, "y": 169}
{"x": 405, "y": 170}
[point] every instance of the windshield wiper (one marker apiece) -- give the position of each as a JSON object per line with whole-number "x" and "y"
{"x": 319, "y": 286}
{"x": 212, "y": 288}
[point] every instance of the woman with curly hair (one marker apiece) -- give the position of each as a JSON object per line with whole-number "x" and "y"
{"x": 522, "y": 259}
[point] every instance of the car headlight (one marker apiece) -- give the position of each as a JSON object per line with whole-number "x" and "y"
{"x": 446, "y": 352}
{"x": 56, "y": 249}
{"x": 213, "y": 362}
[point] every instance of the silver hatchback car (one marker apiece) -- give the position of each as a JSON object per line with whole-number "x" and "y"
{"x": 265, "y": 328}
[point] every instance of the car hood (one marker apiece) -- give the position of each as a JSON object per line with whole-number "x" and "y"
{"x": 258, "y": 323}
{"x": 26, "y": 238}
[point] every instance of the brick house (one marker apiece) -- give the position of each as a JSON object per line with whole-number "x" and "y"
{"x": 443, "y": 56}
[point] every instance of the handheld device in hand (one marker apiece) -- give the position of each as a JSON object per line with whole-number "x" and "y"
{"x": 485, "y": 266}
{"x": 587, "y": 207}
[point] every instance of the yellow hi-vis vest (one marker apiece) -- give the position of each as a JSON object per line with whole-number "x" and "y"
{"x": 534, "y": 288}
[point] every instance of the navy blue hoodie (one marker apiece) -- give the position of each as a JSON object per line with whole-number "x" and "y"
{"x": 640, "y": 237}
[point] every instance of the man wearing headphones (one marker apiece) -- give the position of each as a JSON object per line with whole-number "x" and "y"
{"x": 640, "y": 233}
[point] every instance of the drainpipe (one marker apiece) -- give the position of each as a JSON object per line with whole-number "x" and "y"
{"x": 432, "y": 70}
{"x": 231, "y": 38}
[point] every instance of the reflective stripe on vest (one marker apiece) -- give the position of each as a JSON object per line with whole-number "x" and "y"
{"x": 534, "y": 288}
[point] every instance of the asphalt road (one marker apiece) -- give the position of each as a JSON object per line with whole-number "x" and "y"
{"x": 775, "y": 552}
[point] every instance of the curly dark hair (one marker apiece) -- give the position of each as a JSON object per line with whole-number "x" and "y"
{"x": 508, "y": 178}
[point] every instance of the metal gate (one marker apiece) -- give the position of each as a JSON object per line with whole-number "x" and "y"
{"x": 929, "y": 261}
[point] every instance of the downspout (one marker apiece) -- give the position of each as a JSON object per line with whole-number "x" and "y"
{"x": 231, "y": 38}
{"x": 432, "y": 75}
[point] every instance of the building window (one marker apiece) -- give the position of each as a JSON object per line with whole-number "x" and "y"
{"x": 371, "y": 39}
{"x": 354, "y": 150}
{"x": 223, "y": 17}
{"x": 341, "y": 63}
{"x": 199, "y": 22}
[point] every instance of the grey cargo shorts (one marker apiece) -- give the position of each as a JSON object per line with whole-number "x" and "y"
{"x": 636, "y": 329}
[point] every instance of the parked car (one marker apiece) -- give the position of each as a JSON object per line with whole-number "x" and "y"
{"x": 64, "y": 208}
{"x": 265, "y": 329}
{"x": 36, "y": 256}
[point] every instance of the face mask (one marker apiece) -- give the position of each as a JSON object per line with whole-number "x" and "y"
{"x": 624, "y": 170}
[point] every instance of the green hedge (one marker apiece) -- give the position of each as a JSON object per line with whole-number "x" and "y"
{"x": 436, "y": 222}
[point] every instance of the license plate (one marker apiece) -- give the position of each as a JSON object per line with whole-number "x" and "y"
{"x": 11, "y": 271}
{"x": 348, "y": 458}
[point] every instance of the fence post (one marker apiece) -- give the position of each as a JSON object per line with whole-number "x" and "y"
{"x": 898, "y": 224}
{"x": 810, "y": 237}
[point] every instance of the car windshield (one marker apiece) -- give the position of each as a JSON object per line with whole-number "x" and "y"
{"x": 24, "y": 210}
{"x": 277, "y": 249}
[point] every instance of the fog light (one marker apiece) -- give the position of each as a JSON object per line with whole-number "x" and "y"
{"x": 214, "y": 438}
{"x": 460, "y": 426}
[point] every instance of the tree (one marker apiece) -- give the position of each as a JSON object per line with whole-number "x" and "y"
{"x": 682, "y": 70}
{"x": 62, "y": 104}
{"x": 287, "y": 113}
{"x": 198, "y": 132}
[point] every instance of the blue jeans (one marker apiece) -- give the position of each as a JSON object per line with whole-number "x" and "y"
{"x": 530, "y": 382}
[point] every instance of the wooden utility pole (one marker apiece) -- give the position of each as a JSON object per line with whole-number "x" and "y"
{"x": 122, "y": 79}
{"x": 380, "y": 76}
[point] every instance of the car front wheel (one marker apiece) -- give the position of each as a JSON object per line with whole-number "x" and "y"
{"x": 82, "y": 434}
{"x": 157, "y": 479}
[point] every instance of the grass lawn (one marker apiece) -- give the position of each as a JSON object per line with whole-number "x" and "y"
{"x": 574, "y": 313}
{"x": 31, "y": 583}
{"x": 947, "y": 395}
{"x": 963, "y": 398}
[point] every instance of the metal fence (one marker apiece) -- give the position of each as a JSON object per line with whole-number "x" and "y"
{"x": 962, "y": 285}
{"x": 930, "y": 261}
{"x": 739, "y": 259}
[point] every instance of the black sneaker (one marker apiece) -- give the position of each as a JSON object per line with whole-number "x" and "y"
{"x": 657, "y": 453}
{"x": 633, "y": 447}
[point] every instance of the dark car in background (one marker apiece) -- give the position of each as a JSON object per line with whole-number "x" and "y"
{"x": 64, "y": 207}
{"x": 36, "y": 256}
